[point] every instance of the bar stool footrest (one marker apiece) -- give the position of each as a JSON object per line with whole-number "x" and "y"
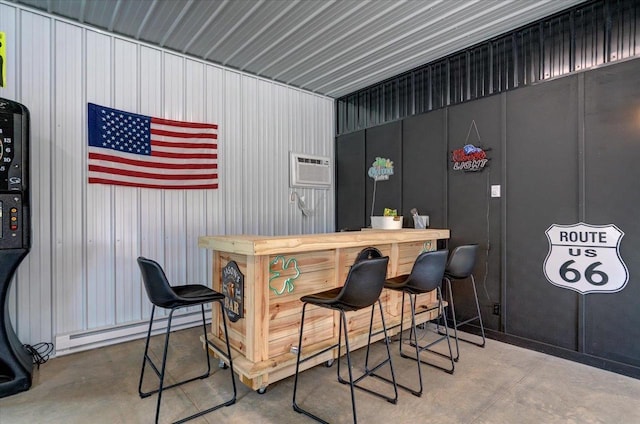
{"x": 370, "y": 373}
{"x": 402, "y": 386}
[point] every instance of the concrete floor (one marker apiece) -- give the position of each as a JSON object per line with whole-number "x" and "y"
{"x": 496, "y": 384}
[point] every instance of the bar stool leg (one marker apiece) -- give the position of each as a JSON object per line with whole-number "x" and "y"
{"x": 371, "y": 371}
{"x": 351, "y": 381}
{"x": 366, "y": 358}
{"x": 456, "y": 324}
{"x": 413, "y": 341}
{"x": 228, "y": 346}
{"x": 164, "y": 364}
{"x": 146, "y": 355}
{"x": 475, "y": 294}
{"x": 206, "y": 350}
{"x": 446, "y": 330}
{"x": 414, "y": 334}
{"x": 446, "y": 335}
{"x": 343, "y": 318}
{"x": 295, "y": 380}
{"x": 295, "y": 405}
{"x": 452, "y": 308}
{"x": 414, "y": 392}
{"x": 340, "y": 379}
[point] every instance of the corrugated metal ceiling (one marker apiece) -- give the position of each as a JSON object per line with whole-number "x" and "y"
{"x": 331, "y": 47}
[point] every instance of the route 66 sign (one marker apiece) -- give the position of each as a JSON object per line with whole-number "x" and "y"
{"x": 585, "y": 258}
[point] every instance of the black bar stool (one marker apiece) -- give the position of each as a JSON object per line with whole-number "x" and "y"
{"x": 460, "y": 267}
{"x": 163, "y": 295}
{"x": 426, "y": 275}
{"x": 362, "y": 289}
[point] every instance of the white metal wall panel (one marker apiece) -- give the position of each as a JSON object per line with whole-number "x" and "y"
{"x": 174, "y": 205}
{"x": 264, "y": 150}
{"x": 99, "y": 223}
{"x": 231, "y": 147}
{"x": 82, "y": 270}
{"x": 151, "y": 212}
{"x": 68, "y": 185}
{"x": 125, "y": 211}
{"x": 281, "y": 134}
{"x": 195, "y": 200}
{"x": 298, "y": 221}
{"x": 215, "y": 111}
{"x": 248, "y": 160}
{"x": 35, "y": 85}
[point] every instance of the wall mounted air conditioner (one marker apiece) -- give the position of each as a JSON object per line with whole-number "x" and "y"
{"x": 309, "y": 171}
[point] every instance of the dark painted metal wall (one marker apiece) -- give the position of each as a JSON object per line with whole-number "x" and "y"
{"x": 579, "y": 140}
{"x": 350, "y": 177}
{"x": 424, "y": 164}
{"x": 589, "y": 35}
{"x": 611, "y": 194}
{"x": 473, "y": 215}
{"x": 564, "y": 151}
{"x": 384, "y": 141}
{"x": 541, "y": 188}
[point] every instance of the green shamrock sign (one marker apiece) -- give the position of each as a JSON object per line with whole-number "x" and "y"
{"x": 284, "y": 264}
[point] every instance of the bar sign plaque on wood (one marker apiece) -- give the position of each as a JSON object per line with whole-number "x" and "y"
{"x": 233, "y": 291}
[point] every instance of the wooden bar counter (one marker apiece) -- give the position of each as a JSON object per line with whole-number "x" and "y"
{"x": 279, "y": 270}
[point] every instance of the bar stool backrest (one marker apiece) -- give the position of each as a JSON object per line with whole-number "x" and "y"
{"x": 428, "y": 271}
{"x": 156, "y": 284}
{"x": 364, "y": 283}
{"x": 462, "y": 261}
{"x": 368, "y": 253}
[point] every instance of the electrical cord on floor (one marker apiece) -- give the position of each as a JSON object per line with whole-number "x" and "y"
{"x": 422, "y": 331}
{"x": 488, "y": 247}
{"x": 40, "y": 352}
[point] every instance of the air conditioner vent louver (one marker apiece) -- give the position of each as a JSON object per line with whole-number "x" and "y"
{"x": 309, "y": 171}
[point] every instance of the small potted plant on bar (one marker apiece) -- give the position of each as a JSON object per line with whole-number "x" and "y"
{"x": 389, "y": 221}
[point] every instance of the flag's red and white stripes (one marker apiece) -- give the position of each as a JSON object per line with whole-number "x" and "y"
{"x": 183, "y": 156}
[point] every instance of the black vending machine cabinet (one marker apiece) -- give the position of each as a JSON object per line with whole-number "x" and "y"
{"x": 16, "y": 364}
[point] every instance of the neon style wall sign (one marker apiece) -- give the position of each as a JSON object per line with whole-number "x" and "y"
{"x": 470, "y": 158}
{"x": 381, "y": 169}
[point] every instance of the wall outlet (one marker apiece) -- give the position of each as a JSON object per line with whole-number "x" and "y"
{"x": 495, "y": 190}
{"x": 496, "y": 309}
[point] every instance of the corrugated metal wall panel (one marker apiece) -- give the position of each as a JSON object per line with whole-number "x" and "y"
{"x": 99, "y": 223}
{"x": 330, "y": 47}
{"x": 588, "y": 35}
{"x": 8, "y": 24}
{"x": 152, "y": 232}
{"x": 173, "y": 203}
{"x": 232, "y": 129}
{"x": 68, "y": 185}
{"x": 248, "y": 177}
{"x": 261, "y": 146}
{"x": 215, "y": 112}
{"x": 39, "y": 90}
{"x": 82, "y": 270}
{"x": 125, "y": 208}
{"x": 196, "y": 212}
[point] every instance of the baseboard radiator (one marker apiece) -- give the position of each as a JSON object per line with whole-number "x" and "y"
{"x": 66, "y": 344}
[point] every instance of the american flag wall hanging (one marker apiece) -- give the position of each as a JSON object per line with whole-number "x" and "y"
{"x": 135, "y": 150}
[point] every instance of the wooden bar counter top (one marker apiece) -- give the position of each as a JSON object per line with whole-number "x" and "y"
{"x": 278, "y": 270}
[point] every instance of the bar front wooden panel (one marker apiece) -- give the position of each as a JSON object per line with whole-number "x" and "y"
{"x": 278, "y": 271}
